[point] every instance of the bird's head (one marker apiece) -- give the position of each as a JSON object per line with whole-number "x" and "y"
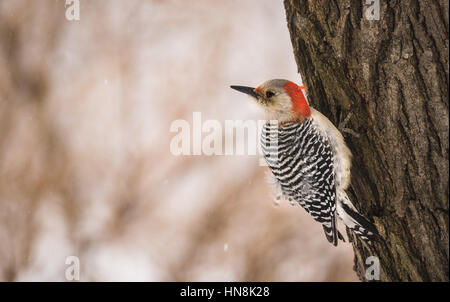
{"x": 281, "y": 100}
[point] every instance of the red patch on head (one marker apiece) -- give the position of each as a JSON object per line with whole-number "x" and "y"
{"x": 258, "y": 89}
{"x": 300, "y": 105}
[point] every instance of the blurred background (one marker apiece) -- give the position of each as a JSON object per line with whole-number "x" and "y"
{"x": 85, "y": 164}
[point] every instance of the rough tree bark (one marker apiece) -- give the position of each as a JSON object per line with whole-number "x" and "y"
{"x": 392, "y": 73}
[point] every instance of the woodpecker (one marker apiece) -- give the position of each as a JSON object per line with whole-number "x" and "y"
{"x": 308, "y": 158}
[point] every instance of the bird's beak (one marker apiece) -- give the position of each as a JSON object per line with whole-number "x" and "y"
{"x": 247, "y": 90}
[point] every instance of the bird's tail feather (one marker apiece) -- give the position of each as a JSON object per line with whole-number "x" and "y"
{"x": 363, "y": 228}
{"x": 332, "y": 233}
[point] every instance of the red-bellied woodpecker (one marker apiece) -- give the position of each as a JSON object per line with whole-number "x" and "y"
{"x": 309, "y": 160}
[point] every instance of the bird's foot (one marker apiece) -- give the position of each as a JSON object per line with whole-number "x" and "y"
{"x": 344, "y": 122}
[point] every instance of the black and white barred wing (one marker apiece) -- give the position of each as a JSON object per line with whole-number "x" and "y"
{"x": 302, "y": 162}
{"x": 315, "y": 188}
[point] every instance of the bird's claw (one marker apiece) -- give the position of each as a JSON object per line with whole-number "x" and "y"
{"x": 342, "y": 124}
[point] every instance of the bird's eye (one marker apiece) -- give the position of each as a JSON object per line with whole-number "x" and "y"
{"x": 269, "y": 94}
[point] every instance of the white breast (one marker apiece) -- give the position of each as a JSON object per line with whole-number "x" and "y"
{"x": 341, "y": 153}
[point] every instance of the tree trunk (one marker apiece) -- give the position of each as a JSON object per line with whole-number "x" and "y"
{"x": 392, "y": 74}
